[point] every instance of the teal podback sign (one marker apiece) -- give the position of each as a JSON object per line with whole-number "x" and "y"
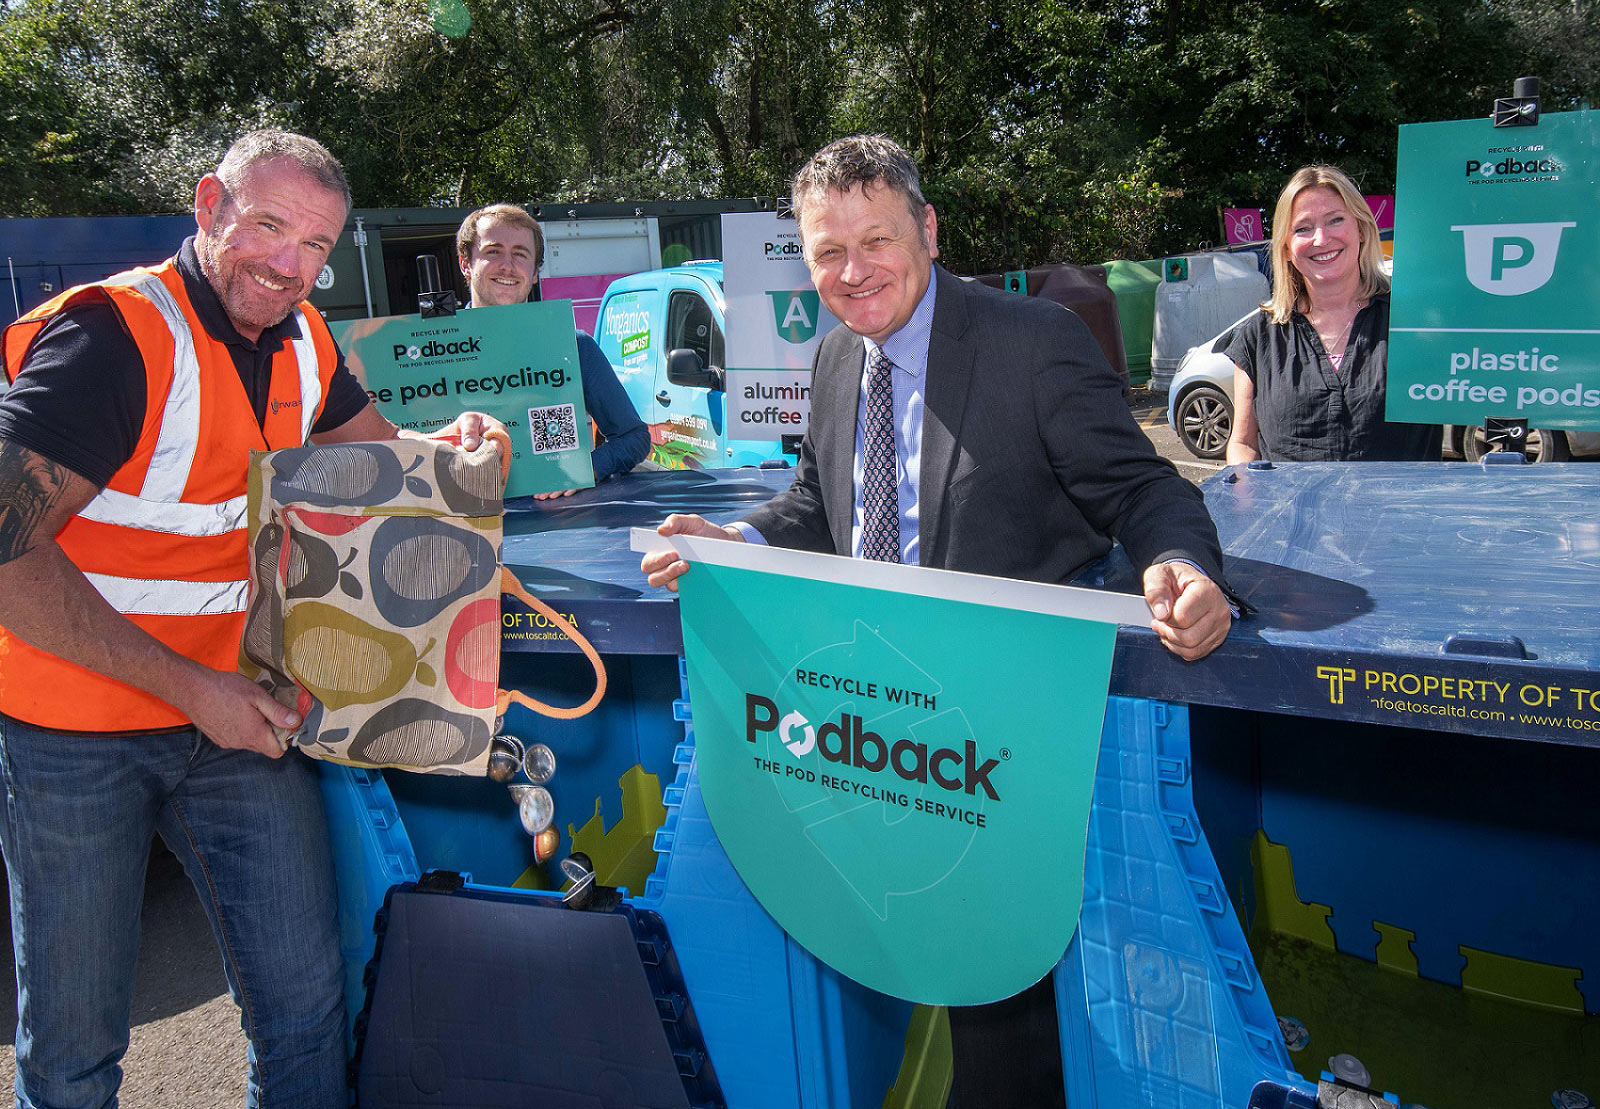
{"x": 903, "y": 782}
{"x": 1497, "y": 273}
{"x": 517, "y": 362}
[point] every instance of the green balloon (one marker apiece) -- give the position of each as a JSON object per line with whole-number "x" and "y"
{"x": 450, "y": 17}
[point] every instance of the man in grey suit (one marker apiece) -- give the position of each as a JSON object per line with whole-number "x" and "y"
{"x": 960, "y": 427}
{"x": 1015, "y": 453}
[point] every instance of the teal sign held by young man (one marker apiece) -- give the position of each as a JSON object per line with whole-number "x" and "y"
{"x": 1496, "y": 273}
{"x": 899, "y": 761}
{"x": 517, "y": 362}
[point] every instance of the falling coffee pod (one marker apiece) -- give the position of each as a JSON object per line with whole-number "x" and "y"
{"x": 536, "y": 808}
{"x": 506, "y": 754}
{"x": 539, "y": 763}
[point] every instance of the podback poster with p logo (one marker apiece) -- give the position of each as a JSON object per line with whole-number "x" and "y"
{"x": 899, "y": 761}
{"x": 1497, "y": 273}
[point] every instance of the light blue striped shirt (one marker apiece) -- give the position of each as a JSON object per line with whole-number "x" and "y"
{"x": 908, "y": 350}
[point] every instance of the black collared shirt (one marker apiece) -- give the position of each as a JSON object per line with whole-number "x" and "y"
{"x": 80, "y": 398}
{"x": 1308, "y": 411}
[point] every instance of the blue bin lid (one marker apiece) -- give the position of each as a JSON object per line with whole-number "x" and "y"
{"x": 1444, "y": 596}
{"x": 573, "y": 553}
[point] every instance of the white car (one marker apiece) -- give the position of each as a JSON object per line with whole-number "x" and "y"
{"x": 1200, "y": 410}
{"x": 1200, "y": 398}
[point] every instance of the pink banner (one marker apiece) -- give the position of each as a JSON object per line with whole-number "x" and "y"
{"x": 1382, "y": 211}
{"x": 585, "y": 293}
{"x": 1243, "y": 225}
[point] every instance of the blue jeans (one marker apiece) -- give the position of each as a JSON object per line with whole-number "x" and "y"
{"x": 80, "y": 812}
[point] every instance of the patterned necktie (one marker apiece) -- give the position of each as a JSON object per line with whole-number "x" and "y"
{"x": 880, "y": 500}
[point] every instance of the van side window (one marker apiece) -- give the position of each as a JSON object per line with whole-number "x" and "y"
{"x": 691, "y": 326}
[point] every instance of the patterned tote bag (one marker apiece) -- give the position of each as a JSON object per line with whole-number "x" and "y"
{"x": 375, "y": 601}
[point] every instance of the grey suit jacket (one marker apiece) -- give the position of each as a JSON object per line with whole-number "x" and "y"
{"x": 1031, "y": 461}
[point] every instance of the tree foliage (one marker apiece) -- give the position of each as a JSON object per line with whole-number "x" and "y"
{"x": 1046, "y": 129}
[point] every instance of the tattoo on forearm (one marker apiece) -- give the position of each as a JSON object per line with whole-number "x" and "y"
{"x": 29, "y": 486}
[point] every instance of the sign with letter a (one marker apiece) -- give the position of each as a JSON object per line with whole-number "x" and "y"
{"x": 775, "y": 319}
{"x": 1497, "y": 273}
{"x": 899, "y": 761}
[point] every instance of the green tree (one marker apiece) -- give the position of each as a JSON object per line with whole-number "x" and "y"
{"x": 58, "y": 150}
{"x": 1559, "y": 42}
{"x": 1326, "y": 82}
{"x": 1047, "y": 130}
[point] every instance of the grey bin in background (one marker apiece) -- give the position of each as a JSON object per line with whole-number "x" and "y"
{"x": 1200, "y": 295}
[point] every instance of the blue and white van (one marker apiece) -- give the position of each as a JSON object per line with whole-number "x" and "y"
{"x": 663, "y": 331}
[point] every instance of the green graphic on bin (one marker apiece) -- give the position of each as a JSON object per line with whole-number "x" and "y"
{"x": 794, "y": 312}
{"x": 902, "y": 781}
{"x": 1497, "y": 271}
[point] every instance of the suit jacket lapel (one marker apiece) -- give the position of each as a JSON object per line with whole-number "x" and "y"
{"x": 951, "y": 359}
{"x": 841, "y": 381}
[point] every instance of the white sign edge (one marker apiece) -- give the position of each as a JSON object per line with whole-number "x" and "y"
{"x": 1071, "y": 601}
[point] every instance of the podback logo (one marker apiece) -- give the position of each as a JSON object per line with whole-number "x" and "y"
{"x": 847, "y": 741}
{"x": 1511, "y": 167}
{"x": 435, "y": 349}
{"x": 807, "y": 738}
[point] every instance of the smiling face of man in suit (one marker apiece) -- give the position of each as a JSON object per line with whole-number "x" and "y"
{"x": 870, "y": 257}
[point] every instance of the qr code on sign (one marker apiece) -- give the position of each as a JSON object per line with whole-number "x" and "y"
{"x": 554, "y": 428}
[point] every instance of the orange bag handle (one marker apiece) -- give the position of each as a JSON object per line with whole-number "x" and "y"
{"x": 510, "y": 584}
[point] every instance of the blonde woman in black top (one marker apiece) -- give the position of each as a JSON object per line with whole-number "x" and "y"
{"x": 1310, "y": 367}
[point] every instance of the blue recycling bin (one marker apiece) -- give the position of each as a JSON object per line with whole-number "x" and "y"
{"x": 1371, "y": 809}
{"x": 1365, "y": 825}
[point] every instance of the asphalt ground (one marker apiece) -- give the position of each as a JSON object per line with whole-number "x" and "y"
{"x": 187, "y": 1049}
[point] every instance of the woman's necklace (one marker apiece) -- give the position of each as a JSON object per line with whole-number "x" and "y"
{"x": 1333, "y": 345}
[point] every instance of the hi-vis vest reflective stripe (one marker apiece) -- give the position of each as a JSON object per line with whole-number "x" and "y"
{"x": 164, "y": 543}
{"x": 157, "y": 507}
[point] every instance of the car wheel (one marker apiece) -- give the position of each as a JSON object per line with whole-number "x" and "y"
{"x": 1544, "y": 445}
{"x": 1205, "y": 420}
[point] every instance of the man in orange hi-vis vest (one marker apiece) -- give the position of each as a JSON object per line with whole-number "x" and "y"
{"x": 124, "y": 437}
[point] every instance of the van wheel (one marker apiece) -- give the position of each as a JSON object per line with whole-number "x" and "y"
{"x": 1205, "y": 420}
{"x": 1544, "y": 445}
